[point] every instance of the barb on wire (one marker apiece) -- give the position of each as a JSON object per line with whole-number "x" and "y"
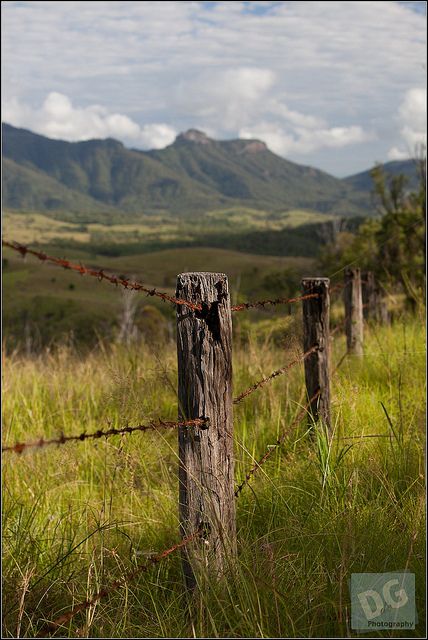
{"x": 278, "y": 372}
{"x": 263, "y": 303}
{"x": 50, "y": 627}
{"x": 100, "y": 274}
{"x": 62, "y": 439}
{"x": 277, "y": 444}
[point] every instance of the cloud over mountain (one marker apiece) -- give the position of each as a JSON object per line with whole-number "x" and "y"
{"x": 57, "y": 118}
{"x": 315, "y": 78}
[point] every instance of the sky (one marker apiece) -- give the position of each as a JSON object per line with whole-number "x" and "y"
{"x": 336, "y": 85}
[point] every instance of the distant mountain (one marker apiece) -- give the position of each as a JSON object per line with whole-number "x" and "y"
{"x": 363, "y": 181}
{"x": 28, "y": 188}
{"x": 101, "y": 179}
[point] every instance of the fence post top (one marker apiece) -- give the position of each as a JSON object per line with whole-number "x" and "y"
{"x": 198, "y": 274}
{"x": 352, "y": 271}
{"x": 319, "y": 279}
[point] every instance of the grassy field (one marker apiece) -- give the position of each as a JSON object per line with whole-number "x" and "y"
{"x": 50, "y": 304}
{"x": 78, "y": 516}
{"x": 37, "y": 227}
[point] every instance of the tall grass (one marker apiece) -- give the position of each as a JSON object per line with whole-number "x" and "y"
{"x": 78, "y": 516}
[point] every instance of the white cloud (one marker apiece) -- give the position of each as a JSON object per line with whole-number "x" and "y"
{"x": 398, "y": 154}
{"x": 304, "y": 141}
{"x": 58, "y": 118}
{"x": 412, "y": 117}
{"x": 225, "y": 99}
{"x": 224, "y": 67}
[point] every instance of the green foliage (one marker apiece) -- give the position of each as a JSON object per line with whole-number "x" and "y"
{"x": 392, "y": 245}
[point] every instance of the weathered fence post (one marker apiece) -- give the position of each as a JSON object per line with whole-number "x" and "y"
{"x": 370, "y": 295}
{"x": 383, "y": 314}
{"x": 374, "y": 304}
{"x": 206, "y": 471}
{"x": 353, "y": 311}
{"x": 316, "y": 330}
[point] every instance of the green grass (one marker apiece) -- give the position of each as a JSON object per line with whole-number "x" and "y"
{"x": 76, "y": 517}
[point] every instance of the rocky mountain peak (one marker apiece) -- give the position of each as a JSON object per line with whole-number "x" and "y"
{"x": 193, "y": 135}
{"x": 254, "y": 146}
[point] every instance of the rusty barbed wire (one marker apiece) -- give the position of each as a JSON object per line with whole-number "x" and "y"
{"x": 150, "y": 426}
{"x": 338, "y": 327}
{"x": 278, "y": 372}
{"x": 337, "y": 287}
{"x": 284, "y": 434}
{"x": 50, "y": 627}
{"x": 99, "y": 274}
{"x": 257, "y": 465}
{"x": 262, "y": 303}
{"x": 340, "y": 362}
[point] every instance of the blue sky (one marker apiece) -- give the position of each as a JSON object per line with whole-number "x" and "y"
{"x": 337, "y": 85}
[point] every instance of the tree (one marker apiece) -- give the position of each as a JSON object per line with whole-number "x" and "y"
{"x": 400, "y": 238}
{"x": 392, "y": 245}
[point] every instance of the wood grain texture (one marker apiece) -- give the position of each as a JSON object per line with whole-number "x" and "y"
{"x": 316, "y": 332}
{"x": 206, "y": 472}
{"x": 353, "y": 311}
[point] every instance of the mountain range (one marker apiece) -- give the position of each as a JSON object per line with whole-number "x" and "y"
{"x": 102, "y": 179}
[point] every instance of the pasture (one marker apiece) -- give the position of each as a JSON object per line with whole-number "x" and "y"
{"x": 79, "y": 516}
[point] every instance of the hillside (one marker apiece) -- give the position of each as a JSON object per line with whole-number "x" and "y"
{"x": 363, "y": 181}
{"x": 193, "y": 175}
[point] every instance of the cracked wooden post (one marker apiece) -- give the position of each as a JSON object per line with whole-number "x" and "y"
{"x": 353, "y": 311}
{"x": 206, "y": 471}
{"x": 316, "y": 333}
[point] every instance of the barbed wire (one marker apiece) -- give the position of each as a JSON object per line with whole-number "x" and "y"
{"x": 19, "y": 447}
{"x": 337, "y": 287}
{"x": 262, "y": 303}
{"x": 116, "y": 584}
{"x": 339, "y": 364}
{"x": 99, "y": 274}
{"x": 271, "y": 448}
{"x": 284, "y": 434}
{"x": 278, "y": 372}
{"x": 338, "y": 327}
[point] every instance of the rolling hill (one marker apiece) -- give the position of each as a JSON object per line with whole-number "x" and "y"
{"x": 363, "y": 181}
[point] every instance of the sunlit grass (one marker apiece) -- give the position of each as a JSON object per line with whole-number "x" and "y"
{"x": 76, "y": 517}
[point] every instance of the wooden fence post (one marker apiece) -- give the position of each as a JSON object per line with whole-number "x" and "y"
{"x": 383, "y": 314}
{"x": 369, "y": 295}
{"x": 206, "y": 471}
{"x": 353, "y": 311}
{"x": 316, "y": 333}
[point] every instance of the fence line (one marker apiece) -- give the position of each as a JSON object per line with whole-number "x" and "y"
{"x": 204, "y": 342}
{"x": 19, "y": 447}
{"x": 50, "y": 627}
{"x": 278, "y": 372}
{"x": 99, "y": 274}
{"x": 263, "y": 303}
{"x": 138, "y": 286}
